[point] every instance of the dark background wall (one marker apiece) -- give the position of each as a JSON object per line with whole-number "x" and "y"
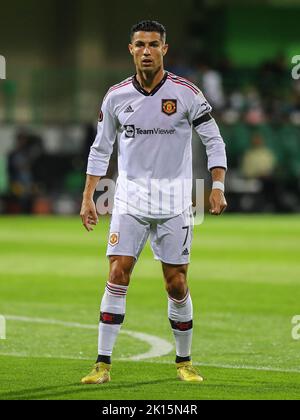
{"x": 64, "y": 32}
{"x": 62, "y": 55}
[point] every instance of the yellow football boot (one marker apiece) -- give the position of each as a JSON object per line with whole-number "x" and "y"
{"x": 186, "y": 372}
{"x": 99, "y": 375}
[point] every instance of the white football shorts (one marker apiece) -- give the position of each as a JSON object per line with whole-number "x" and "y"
{"x": 170, "y": 239}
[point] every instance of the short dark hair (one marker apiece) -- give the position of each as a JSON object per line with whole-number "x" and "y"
{"x": 149, "y": 26}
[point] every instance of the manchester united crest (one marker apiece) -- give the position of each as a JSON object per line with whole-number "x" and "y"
{"x": 169, "y": 106}
{"x": 114, "y": 239}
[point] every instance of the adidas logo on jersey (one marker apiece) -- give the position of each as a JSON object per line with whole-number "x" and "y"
{"x": 185, "y": 252}
{"x": 128, "y": 110}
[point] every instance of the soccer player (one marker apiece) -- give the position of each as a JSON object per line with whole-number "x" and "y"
{"x": 152, "y": 114}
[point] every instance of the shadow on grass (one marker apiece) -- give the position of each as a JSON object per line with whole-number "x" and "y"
{"x": 51, "y": 392}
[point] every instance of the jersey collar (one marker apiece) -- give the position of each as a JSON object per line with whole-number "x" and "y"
{"x": 153, "y": 91}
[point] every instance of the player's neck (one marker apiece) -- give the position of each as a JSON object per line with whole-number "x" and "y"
{"x": 149, "y": 81}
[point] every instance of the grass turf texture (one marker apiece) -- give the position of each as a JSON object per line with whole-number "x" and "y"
{"x": 244, "y": 279}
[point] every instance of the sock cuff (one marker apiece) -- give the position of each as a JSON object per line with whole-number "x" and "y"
{"x": 181, "y": 302}
{"x": 104, "y": 359}
{"x": 116, "y": 290}
{"x": 182, "y": 359}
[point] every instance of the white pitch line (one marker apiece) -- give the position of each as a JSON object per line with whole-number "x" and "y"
{"x": 154, "y": 342}
{"x": 158, "y": 346}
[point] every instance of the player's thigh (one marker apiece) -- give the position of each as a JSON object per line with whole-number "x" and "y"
{"x": 171, "y": 239}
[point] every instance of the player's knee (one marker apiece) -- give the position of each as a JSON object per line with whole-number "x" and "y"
{"x": 177, "y": 286}
{"x": 120, "y": 270}
{"x": 118, "y": 275}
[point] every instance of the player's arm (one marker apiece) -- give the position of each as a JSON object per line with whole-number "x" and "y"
{"x": 217, "y": 198}
{"x": 98, "y": 161}
{"x": 88, "y": 211}
{"x": 209, "y": 133}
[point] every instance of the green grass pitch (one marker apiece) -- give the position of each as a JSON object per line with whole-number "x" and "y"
{"x": 244, "y": 279}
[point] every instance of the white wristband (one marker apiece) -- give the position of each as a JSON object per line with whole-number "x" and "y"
{"x": 217, "y": 185}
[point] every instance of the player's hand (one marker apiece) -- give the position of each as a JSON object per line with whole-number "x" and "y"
{"x": 88, "y": 214}
{"x": 218, "y": 202}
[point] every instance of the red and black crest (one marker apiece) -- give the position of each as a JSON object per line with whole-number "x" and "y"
{"x": 100, "y": 119}
{"x": 169, "y": 106}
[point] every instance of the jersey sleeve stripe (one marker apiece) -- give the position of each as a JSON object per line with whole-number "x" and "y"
{"x": 181, "y": 79}
{"x": 177, "y": 82}
{"x": 129, "y": 79}
{"x": 119, "y": 86}
{"x": 201, "y": 120}
{"x": 116, "y": 87}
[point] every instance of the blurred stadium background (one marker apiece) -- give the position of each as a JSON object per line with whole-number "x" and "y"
{"x": 64, "y": 55}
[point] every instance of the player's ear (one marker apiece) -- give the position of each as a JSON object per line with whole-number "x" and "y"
{"x": 165, "y": 49}
{"x": 130, "y": 48}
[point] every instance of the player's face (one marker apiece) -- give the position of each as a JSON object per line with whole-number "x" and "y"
{"x": 148, "y": 50}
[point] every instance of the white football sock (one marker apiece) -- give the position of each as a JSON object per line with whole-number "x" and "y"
{"x": 180, "y": 314}
{"x": 112, "y": 315}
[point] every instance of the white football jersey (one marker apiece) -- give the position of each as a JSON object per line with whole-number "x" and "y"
{"x": 154, "y": 132}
